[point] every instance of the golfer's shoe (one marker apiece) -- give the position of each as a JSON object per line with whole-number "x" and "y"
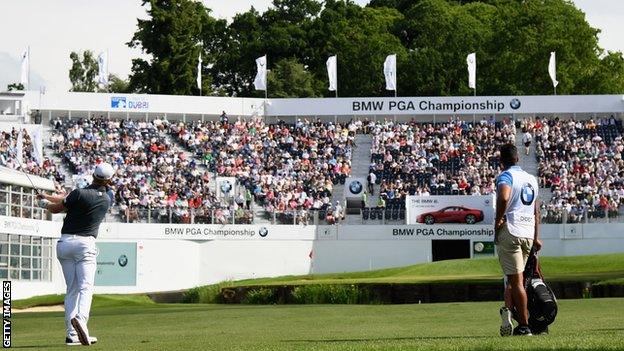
{"x": 74, "y": 341}
{"x": 522, "y": 330}
{"x": 506, "y": 325}
{"x": 81, "y": 330}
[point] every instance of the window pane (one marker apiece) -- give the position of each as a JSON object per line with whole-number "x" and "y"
{"x": 4, "y": 273}
{"x": 36, "y": 251}
{"x": 3, "y": 197}
{"x": 36, "y": 263}
{"x": 36, "y": 275}
{"x": 14, "y": 274}
{"x": 4, "y": 261}
{"x": 26, "y": 239}
{"x": 15, "y": 249}
{"x": 3, "y": 210}
{"x": 47, "y": 251}
{"x": 15, "y": 199}
{"x": 45, "y": 275}
{"x": 15, "y": 238}
{"x": 4, "y": 249}
{"x": 26, "y": 262}
{"x": 4, "y": 237}
{"x": 26, "y": 250}
{"x": 25, "y": 274}
{"x": 14, "y": 262}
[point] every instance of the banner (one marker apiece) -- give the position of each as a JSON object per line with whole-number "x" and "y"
{"x": 332, "y": 72}
{"x": 471, "y": 60}
{"x": 476, "y": 232}
{"x": 226, "y": 187}
{"x": 103, "y": 68}
{"x": 260, "y": 83}
{"x": 116, "y": 264}
{"x": 37, "y": 144}
{"x": 552, "y": 69}
{"x": 19, "y": 148}
{"x": 199, "y": 68}
{"x": 452, "y": 209}
{"x": 25, "y": 69}
{"x": 390, "y": 71}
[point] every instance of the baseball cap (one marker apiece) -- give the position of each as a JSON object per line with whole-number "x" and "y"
{"x": 103, "y": 171}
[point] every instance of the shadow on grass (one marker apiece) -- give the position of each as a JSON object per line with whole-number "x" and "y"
{"x": 415, "y": 338}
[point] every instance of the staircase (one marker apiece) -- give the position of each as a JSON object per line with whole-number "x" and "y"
{"x": 529, "y": 164}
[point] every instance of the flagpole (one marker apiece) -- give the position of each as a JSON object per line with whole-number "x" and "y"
{"x": 28, "y": 66}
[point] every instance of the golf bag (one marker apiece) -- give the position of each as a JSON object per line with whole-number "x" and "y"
{"x": 542, "y": 303}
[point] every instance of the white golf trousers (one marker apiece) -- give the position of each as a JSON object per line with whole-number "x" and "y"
{"x": 77, "y": 255}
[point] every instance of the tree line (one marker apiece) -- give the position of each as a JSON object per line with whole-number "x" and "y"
{"x": 431, "y": 38}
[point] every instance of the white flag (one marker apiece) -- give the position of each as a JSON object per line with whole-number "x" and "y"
{"x": 471, "y": 60}
{"x": 199, "y": 68}
{"x": 260, "y": 83}
{"x": 37, "y": 144}
{"x": 19, "y": 147}
{"x": 332, "y": 72}
{"x": 390, "y": 71}
{"x": 102, "y": 68}
{"x": 25, "y": 68}
{"x": 552, "y": 69}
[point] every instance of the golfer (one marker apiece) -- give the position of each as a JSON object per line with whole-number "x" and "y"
{"x": 76, "y": 248}
{"x": 516, "y": 231}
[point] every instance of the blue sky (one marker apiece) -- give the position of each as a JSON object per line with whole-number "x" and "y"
{"x": 55, "y": 28}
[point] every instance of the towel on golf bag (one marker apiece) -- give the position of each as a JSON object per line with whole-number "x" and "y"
{"x": 542, "y": 303}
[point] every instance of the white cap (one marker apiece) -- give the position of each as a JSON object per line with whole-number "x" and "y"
{"x": 103, "y": 171}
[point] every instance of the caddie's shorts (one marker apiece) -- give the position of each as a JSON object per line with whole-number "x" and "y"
{"x": 513, "y": 252}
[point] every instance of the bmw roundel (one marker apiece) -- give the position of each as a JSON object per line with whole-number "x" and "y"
{"x": 515, "y": 104}
{"x": 355, "y": 187}
{"x": 263, "y": 232}
{"x": 122, "y": 260}
{"x": 527, "y": 195}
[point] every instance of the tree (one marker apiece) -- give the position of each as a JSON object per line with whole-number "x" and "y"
{"x": 289, "y": 79}
{"x": 83, "y": 72}
{"x": 15, "y": 87}
{"x": 172, "y": 36}
{"x": 117, "y": 85}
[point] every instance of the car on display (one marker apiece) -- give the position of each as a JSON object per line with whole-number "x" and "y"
{"x": 451, "y": 214}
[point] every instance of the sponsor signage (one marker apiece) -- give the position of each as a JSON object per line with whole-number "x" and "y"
{"x": 482, "y": 249}
{"x": 450, "y": 209}
{"x": 116, "y": 264}
{"x": 415, "y": 232}
{"x": 129, "y": 103}
{"x": 355, "y": 187}
{"x": 207, "y": 232}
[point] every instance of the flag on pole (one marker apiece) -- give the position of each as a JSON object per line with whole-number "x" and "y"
{"x": 471, "y": 60}
{"x": 332, "y": 72}
{"x": 261, "y": 76}
{"x": 390, "y": 71}
{"x": 199, "y": 68}
{"x": 19, "y": 147}
{"x": 25, "y": 68}
{"x": 103, "y": 68}
{"x": 37, "y": 143}
{"x": 552, "y": 69}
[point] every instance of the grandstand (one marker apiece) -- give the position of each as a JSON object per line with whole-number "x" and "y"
{"x": 292, "y": 161}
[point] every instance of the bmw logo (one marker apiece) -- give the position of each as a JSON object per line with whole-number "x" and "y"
{"x": 226, "y": 186}
{"x": 123, "y": 260}
{"x": 515, "y": 104}
{"x": 527, "y": 195}
{"x": 263, "y": 232}
{"x": 355, "y": 187}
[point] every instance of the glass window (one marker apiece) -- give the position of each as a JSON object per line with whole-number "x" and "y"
{"x": 15, "y": 249}
{"x": 4, "y": 249}
{"x": 4, "y": 273}
{"x": 14, "y": 262}
{"x": 36, "y": 263}
{"x": 26, "y": 250}
{"x": 4, "y": 237}
{"x": 26, "y": 261}
{"x": 25, "y": 274}
{"x": 14, "y": 274}
{"x": 36, "y": 275}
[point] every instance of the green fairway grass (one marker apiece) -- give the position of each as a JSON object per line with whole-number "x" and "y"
{"x": 594, "y": 324}
{"x": 590, "y": 268}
